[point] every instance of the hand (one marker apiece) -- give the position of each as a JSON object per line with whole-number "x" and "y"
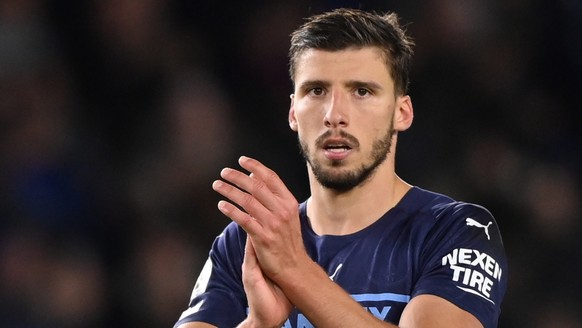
{"x": 270, "y": 216}
{"x": 268, "y": 306}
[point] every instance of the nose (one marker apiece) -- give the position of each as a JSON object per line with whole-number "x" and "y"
{"x": 336, "y": 111}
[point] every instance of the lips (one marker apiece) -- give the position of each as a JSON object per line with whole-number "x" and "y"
{"x": 337, "y": 141}
{"x": 337, "y": 147}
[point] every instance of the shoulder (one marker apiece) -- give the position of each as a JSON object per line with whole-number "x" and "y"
{"x": 448, "y": 216}
{"x": 467, "y": 221}
{"x": 440, "y": 205}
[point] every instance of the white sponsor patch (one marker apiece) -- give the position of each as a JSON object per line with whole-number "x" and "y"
{"x": 473, "y": 271}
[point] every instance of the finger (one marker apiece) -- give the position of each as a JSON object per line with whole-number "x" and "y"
{"x": 247, "y": 222}
{"x": 266, "y": 175}
{"x": 251, "y": 272}
{"x": 245, "y": 200}
{"x": 250, "y": 255}
{"x": 252, "y": 185}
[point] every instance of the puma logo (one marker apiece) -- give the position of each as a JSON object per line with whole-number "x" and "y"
{"x": 473, "y": 223}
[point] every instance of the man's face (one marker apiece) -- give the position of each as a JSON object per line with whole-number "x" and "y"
{"x": 342, "y": 110}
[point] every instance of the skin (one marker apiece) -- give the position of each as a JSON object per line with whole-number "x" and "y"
{"x": 350, "y": 91}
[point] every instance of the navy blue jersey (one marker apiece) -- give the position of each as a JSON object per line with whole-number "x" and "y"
{"x": 427, "y": 244}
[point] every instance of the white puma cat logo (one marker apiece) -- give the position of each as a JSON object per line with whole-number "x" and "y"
{"x": 473, "y": 223}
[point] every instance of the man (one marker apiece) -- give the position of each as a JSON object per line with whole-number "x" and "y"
{"x": 366, "y": 249}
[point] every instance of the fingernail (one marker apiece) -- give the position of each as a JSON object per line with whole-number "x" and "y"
{"x": 217, "y": 184}
{"x": 222, "y": 205}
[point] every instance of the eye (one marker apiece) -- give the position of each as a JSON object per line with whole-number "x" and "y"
{"x": 317, "y": 91}
{"x": 362, "y": 92}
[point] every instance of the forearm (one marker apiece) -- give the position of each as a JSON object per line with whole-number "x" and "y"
{"x": 322, "y": 301}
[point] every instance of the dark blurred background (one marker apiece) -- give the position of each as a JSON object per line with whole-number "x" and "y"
{"x": 116, "y": 115}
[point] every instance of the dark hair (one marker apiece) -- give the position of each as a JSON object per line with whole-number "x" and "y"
{"x": 352, "y": 28}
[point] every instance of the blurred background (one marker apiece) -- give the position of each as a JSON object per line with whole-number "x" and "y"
{"x": 116, "y": 116}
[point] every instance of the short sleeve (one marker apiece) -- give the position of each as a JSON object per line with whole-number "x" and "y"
{"x": 464, "y": 261}
{"x": 218, "y": 297}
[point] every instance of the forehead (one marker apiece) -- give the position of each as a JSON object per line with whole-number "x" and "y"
{"x": 368, "y": 63}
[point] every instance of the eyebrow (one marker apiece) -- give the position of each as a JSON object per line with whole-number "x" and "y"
{"x": 314, "y": 84}
{"x": 363, "y": 84}
{"x": 350, "y": 84}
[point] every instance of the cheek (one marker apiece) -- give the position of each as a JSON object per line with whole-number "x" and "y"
{"x": 306, "y": 134}
{"x": 373, "y": 130}
{"x": 308, "y": 121}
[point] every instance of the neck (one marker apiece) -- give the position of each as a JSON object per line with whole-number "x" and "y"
{"x": 341, "y": 213}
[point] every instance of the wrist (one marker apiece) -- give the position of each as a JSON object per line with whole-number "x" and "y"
{"x": 302, "y": 266}
{"x": 295, "y": 276}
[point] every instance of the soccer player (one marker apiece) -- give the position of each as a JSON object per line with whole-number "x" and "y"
{"x": 366, "y": 249}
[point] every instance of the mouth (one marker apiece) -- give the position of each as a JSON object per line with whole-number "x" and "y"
{"x": 337, "y": 149}
{"x": 336, "y": 146}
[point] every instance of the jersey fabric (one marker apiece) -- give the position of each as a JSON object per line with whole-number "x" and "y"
{"x": 427, "y": 244}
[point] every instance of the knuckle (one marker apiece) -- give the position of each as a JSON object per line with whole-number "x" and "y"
{"x": 269, "y": 239}
{"x": 285, "y": 215}
{"x": 272, "y": 176}
{"x": 258, "y": 185}
{"x": 290, "y": 211}
{"x": 247, "y": 200}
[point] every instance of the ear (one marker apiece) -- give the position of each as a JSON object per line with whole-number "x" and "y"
{"x": 403, "y": 113}
{"x": 292, "y": 119}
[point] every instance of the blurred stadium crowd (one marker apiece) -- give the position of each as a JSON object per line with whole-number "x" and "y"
{"x": 116, "y": 115}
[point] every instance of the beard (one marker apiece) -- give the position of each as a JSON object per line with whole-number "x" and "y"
{"x": 344, "y": 181}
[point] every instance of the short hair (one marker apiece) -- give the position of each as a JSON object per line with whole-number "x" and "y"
{"x": 343, "y": 28}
